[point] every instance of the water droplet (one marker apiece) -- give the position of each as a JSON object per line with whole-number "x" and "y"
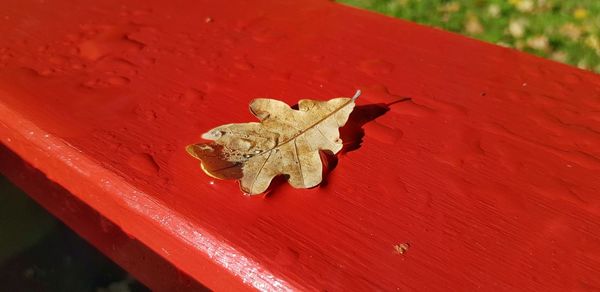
{"x": 287, "y": 256}
{"x": 46, "y": 72}
{"x": 107, "y": 40}
{"x": 117, "y": 80}
{"x": 244, "y": 65}
{"x": 71, "y": 37}
{"x": 410, "y": 108}
{"x": 378, "y": 93}
{"x": 383, "y": 133}
{"x": 376, "y": 67}
{"x": 267, "y": 36}
{"x": 281, "y": 76}
{"x": 90, "y": 83}
{"x": 190, "y": 97}
{"x": 149, "y": 61}
{"x": 572, "y": 79}
{"x": 144, "y": 163}
{"x": 43, "y": 48}
{"x": 77, "y": 66}
{"x": 140, "y": 12}
{"x": 148, "y": 115}
{"x": 57, "y": 60}
{"x": 242, "y": 145}
{"x": 325, "y": 74}
{"x": 115, "y": 66}
{"x": 106, "y": 82}
{"x": 443, "y": 106}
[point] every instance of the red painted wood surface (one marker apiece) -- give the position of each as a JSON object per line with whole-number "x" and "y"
{"x": 490, "y": 174}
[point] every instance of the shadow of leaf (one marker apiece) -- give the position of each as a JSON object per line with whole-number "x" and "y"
{"x": 351, "y": 133}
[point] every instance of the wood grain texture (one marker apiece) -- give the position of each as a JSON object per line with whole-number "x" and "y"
{"x": 487, "y": 179}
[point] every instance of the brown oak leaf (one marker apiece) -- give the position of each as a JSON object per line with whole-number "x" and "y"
{"x": 285, "y": 142}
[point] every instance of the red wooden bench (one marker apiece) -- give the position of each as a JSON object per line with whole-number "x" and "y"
{"x": 489, "y": 178}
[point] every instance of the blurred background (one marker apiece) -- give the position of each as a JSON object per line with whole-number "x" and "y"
{"x": 566, "y": 31}
{"x": 38, "y": 253}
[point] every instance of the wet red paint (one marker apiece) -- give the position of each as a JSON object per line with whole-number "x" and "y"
{"x": 489, "y": 173}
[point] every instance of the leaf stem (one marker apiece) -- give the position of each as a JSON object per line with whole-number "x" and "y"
{"x": 356, "y": 95}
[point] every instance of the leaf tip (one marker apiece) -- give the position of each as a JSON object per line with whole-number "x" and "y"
{"x": 213, "y": 134}
{"x": 356, "y": 95}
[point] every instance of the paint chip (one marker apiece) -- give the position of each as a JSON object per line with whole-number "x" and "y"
{"x": 401, "y": 248}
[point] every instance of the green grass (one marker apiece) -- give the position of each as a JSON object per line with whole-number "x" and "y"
{"x": 567, "y": 31}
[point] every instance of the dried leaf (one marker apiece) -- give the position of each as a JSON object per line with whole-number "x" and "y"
{"x": 285, "y": 141}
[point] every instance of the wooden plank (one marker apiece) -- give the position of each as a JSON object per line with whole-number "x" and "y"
{"x": 489, "y": 174}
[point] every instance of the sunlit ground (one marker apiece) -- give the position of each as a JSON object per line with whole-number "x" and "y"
{"x": 566, "y": 31}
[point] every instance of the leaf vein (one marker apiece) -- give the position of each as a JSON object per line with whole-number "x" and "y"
{"x": 259, "y": 171}
{"x": 298, "y": 161}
